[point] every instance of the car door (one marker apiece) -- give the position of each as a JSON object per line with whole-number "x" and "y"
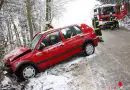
{"x": 52, "y": 52}
{"x": 73, "y": 39}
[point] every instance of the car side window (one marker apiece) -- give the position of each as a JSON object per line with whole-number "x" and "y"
{"x": 77, "y": 30}
{"x": 53, "y": 38}
{"x": 50, "y": 39}
{"x": 70, "y": 31}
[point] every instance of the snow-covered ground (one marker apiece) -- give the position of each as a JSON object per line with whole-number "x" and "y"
{"x": 60, "y": 77}
{"x": 66, "y": 75}
{"x": 69, "y": 74}
{"x": 126, "y": 22}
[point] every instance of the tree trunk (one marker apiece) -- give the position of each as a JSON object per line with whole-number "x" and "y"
{"x": 1, "y": 3}
{"x": 48, "y": 13}
{"x": 16, "y": 32}
{"x": 29, "y": 18}
{"x": 9, "y": 38}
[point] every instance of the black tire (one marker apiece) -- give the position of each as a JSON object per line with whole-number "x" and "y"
{"x": 91, "y": 47}
{"x": 117, "y": 26}
{"x": 20, "y": 73}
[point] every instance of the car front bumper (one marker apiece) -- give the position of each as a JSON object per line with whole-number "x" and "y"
{"x": 7, "y": 69}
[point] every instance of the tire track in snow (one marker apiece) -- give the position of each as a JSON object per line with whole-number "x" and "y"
{"x": 96, "y": 78}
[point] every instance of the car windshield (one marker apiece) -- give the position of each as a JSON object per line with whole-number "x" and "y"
{"x": 35, "y": 41}
{"x": 107, "y": 10}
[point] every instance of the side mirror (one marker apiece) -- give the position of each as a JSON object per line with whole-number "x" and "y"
{"x": 42, "y": 45}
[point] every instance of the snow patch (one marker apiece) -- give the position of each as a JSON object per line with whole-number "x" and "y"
{"x": 126, "y": 22}
{"x": 6, "y": 81}
{"x": 91, "y": 56}
{"x": 58, "y": 77}
{"x": 49, "y": 82}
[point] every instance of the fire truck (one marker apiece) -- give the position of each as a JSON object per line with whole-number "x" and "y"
{"x": 108, "y": 15}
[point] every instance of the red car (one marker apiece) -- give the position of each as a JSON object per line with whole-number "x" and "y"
{"x": 49, "y": 48}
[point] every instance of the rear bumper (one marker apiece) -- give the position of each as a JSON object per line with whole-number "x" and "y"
{"x": 96, "y": 40}
{"x": 107, "y": 25}
{"x": 103, "y": 22}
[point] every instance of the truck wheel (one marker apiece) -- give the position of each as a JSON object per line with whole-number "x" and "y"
{"x": 89, "y": 49}
{"x": 25, "y": 72}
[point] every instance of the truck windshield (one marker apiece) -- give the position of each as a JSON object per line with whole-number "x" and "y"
{"x": 107, "y": 10}
{"x": 35, "y": 41}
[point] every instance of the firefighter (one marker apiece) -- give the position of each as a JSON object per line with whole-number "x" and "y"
{"x": 97, "y": 29}
{"x": 99, "y": 34}
{"x": 114, "y": 21}
{"x": 95, "y": 22}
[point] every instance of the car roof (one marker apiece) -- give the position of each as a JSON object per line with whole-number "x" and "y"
{"x": 57, "y": 29}
{"x": 105, "y": 5}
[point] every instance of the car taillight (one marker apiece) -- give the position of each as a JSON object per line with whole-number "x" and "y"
{"x": 101, "y": 19}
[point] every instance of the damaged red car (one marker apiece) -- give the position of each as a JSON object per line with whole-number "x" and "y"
{"x": 49, "y": 48}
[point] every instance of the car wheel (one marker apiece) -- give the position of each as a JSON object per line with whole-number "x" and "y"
{"x": 89, "y": 49}
{"x": 26, "y": 72}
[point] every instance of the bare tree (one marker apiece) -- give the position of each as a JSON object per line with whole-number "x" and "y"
{"x": 16, "y": 31}
{"x": 21, "y": 19}
{"x": 28, "y": 8}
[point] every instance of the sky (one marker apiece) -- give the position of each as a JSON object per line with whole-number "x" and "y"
{"x": 77, "y": 11}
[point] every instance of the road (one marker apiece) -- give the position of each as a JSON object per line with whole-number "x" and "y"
{"x": 100, "y": 71}
{"x": 113, "y": 63}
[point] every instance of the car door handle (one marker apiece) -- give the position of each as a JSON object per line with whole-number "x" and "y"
{"x": 81, "y": 35}
{"x": 38, "y": 53}
{"x": 62, "y": 44}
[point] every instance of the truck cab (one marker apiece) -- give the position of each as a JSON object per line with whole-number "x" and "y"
{"x": 108, "y": 15}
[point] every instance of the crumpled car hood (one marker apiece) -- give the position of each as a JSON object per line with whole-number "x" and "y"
{"x": 17, "y": 52}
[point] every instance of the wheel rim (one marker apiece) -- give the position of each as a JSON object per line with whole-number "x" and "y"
{"x": 29, "y": 72}
{"x": 89, "y": 49}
